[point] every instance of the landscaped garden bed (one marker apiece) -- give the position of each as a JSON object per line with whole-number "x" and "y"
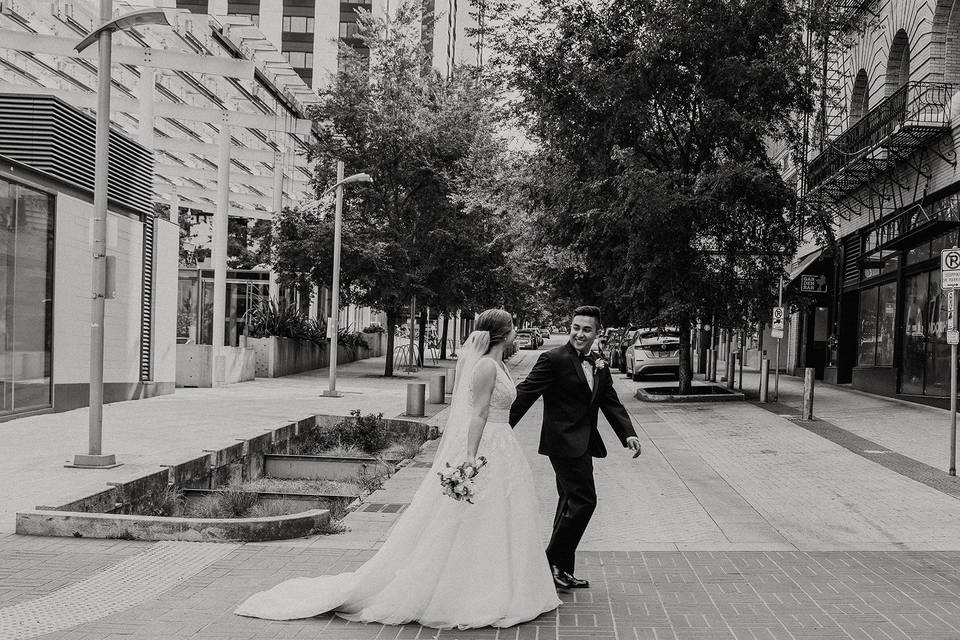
{"x": 233, "y": 493}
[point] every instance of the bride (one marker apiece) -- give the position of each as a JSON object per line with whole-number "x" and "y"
{"x": 449, "y": 563}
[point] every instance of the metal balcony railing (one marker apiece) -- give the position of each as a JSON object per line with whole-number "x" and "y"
{"x": 903, "y": 121}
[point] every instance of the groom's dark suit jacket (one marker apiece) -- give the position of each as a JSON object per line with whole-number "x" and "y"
{"x": 569, "y": 407}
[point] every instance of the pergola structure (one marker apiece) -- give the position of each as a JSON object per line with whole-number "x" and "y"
{"x": 223, "y": 112}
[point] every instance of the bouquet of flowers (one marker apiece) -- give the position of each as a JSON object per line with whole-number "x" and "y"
{"x": 457, "y": 482}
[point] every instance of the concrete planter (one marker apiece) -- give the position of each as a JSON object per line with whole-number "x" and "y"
{"x": 130, "y": 527}
{"x": 270, "y": 498}
{"x": 324, "y": 467}
{"x": 107, "y": 513}
{"x": 198, "y": 366}
{"x": 285, "y": 356}
{"x": 707, "y": 393}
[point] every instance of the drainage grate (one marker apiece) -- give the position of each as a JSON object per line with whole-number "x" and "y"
{"x": 133, "y": 581}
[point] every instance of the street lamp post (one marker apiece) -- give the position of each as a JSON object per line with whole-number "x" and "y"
{"x": 331, "y": 391}
{"x": 95, "y": 458}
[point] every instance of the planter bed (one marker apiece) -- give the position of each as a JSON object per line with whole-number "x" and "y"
{"x": 698, "y": 393}
{"x": 132, "y": 527}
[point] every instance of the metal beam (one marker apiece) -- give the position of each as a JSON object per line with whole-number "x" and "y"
{"x": 208, "y": 175}
{"x": 183, "y": 145}
{"x": 169, "y": 110}
{"x": 206, "y": 207}
{"x": 242, "y": 198}
{"x": 139, "y": 56}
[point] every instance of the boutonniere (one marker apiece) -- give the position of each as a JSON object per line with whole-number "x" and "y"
{"x": 599, "y": 364}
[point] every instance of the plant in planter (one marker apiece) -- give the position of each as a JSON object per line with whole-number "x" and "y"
{"x": 363, "y": 432}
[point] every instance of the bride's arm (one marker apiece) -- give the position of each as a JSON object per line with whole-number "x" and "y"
{"x": 484, "y": 379}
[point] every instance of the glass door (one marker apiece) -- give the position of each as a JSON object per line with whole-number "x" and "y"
{"x": 26, "y": 297}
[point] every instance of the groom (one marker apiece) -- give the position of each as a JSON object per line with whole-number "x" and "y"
{"x": 574, "y": 386}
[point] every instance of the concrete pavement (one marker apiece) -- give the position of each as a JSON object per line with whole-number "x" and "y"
{"x": 736, "y": 522}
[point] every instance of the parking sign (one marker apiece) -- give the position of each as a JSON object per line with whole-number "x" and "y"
{"x": 779, "y": 321}
{"x": 950, "y": 268}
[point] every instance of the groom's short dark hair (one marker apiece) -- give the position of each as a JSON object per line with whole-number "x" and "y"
{"x": 589, "y": 311}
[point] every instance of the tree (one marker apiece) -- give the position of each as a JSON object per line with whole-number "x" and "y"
{"x": 413, "y": 131}
{"x": 652, "y": 118}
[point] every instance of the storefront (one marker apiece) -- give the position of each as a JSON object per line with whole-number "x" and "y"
{"x": 887, "y": 319}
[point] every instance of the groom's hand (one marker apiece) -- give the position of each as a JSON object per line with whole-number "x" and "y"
{"x": 633, "y": 443}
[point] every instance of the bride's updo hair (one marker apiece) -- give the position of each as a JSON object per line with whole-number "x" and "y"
{"x": 497, "y": 322}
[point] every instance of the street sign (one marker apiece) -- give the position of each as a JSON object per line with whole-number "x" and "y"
{"x": 779, "y": 321}
{"x": 813, "y": 284}
{"x": 953, "y": 337}
{"x": 950, "y": 268}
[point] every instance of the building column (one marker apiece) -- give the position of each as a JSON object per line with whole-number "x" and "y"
{"x": 219, "y": 244}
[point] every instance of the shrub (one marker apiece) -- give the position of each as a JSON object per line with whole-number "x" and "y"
{"x": 406, "y": 448}
{"x": 373, "y": 328}
{"x": 230, "y": 502}
{"x": 271, "y": 318}
{"x": 165, "y": 501}
{"x": 369, "y": 483}
{"x": 366, "y": 433}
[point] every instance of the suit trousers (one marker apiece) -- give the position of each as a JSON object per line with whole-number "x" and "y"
{"x": 576, "y": 503}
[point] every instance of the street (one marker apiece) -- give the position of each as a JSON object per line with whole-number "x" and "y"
{"x": 736, "y": 522}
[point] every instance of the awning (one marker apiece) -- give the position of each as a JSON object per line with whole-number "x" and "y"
{"x": 802, "y": 265}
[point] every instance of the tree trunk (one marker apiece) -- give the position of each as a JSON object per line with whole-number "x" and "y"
{"x": 443, "y": 336}
{"x": 391, "y": 330}
{"x": 686, "y": 372}
{"x": 423, "y": 331}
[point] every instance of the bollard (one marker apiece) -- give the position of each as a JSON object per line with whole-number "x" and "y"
{"x": 415, "y": 393}
{"x": 731, "y": 369}
{"x": 765, "y": 380}
{"x": 437, "y": 388}
{"x": 451, "y": 380}
{"x": 807, "y": 409}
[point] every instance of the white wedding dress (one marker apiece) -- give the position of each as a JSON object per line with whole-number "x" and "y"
{"x": 446, "y": 564}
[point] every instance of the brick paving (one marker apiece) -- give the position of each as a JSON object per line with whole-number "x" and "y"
{"x": 736, "y": 522}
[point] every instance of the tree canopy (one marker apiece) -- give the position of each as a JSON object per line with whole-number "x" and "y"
{"x": 652, "y": 119}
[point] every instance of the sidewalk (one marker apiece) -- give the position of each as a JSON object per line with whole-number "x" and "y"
{"x": 145, "y": 434}
{"x": 736, "y": 522}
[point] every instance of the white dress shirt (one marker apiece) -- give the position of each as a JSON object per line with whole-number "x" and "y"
{"x": 588, "y": 372}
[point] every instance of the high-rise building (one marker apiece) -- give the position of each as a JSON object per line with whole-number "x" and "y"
{"x": 309, "y": 32}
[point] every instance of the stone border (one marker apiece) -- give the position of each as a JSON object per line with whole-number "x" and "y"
{"x": 154, "y": 528}
{"x": 728, "y": 396}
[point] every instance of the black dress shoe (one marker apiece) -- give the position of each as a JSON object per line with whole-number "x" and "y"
{"x": 575, "y": 582}
{"x": 560, "y": 578}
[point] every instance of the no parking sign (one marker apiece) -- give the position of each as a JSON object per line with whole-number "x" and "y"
{"x": 779, "y": 320}
{"x": 950, "y": 268}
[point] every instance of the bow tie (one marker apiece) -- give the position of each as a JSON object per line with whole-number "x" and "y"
{"x": 586, "y": 357}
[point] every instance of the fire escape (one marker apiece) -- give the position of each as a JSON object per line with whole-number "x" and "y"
{"x": 860, "y": 163}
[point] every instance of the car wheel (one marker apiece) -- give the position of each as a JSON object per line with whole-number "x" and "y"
{"x": 636, "y": 376}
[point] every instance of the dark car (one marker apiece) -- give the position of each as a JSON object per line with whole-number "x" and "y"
{"x": 528, "y": 339}
{"x": 624, "y": 340}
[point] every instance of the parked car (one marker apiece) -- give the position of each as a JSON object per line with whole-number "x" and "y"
{"x": 545, "y": 333}
{"x": 654, "y": 351}
{"x": 526, "y": 339}
{"x": 618, "y": 357}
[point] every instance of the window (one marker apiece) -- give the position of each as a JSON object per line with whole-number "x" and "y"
{"x": 898, "y": 63}
{"x": 286, "y": 23}
{"x": 860, "y": 99}
{"x": 867, "y": 348}
{"x": 878, "y": 312}
{"x": 26, "y": 297}
{"x": 298, "y": 24}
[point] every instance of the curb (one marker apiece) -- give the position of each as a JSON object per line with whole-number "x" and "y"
{"x": 75, "y": 524}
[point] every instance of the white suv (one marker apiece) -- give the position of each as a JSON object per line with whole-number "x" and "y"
{"x": 654, "y": 351}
